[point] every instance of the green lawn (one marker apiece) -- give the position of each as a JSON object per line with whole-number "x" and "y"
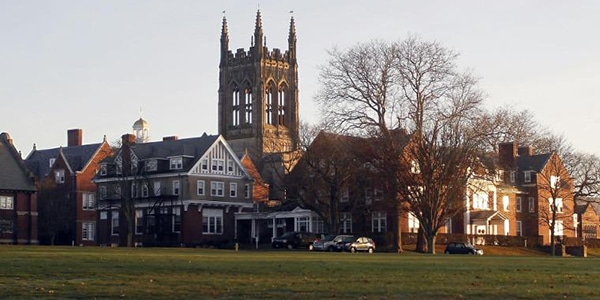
{"x": 95, "y": 272}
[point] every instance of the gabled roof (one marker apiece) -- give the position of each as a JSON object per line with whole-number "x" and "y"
{"x": 191, "y": 147}
{"x": 77, "y": 158}
{"x": 533, "y": 162}
{"x": 13, "y": 173}
{"x": 488, "y": 215}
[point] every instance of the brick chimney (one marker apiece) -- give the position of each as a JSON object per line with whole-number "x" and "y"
{"x": 170, "y": 138}
{"x": 525, "y": 151}
{"x": 507, "y": 153}
{"x": 74, "y": 137}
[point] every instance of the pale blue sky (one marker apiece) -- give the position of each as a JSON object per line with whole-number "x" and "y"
{"x": 93, "y": 64}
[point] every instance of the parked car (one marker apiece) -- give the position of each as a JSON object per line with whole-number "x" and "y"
{"x": 294, "y": 239}
{"x": 361, "y": 244}
{"x": 462, "y": 248}
{"x": 328, "y": 243}
{"x": 341, "y": 244}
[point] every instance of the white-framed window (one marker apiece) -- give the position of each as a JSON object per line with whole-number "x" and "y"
{"x": 89, "y": 201}
{"x": 6, "y": 202}
{"x": 151, "y": 165}
{"x": 134, "y": 190}
{"x": 512, "y": 176}
{"x": 233, "y": 190}
{"x": 519, "y": 228}
{"x": 559, "y": 229}
{"x": 88, "y": 231}
{"x": 554, "y": 182}
{"x": 212, "y": 221}
{"x": 176, "y": 163}
{"x": 145, "y": 191}
{"x": 177, "y": 219}
{"x": 346, "y": 222}
{"x": 527, "y": 176}
{"x": 156, "y": 188}
{"x": 531, "y": 204}
{"x": 218, "y": 165}
{"x": 59, "y": 176}
{"x": 117, "y": 190}
{"x": 345, "y": 194}
{"x": 505, "y": 202}
{"x": 246, "y": 191}
{"x": 103, "y": 215}
{"x": 481, "y": 200}
{"x": 230, "y": 164}
{"x": 200, "y": 187}
{"x": 499, "y": 175}
{"x": 413, "y": 223}
{"x": 103, "y": 169}
{"x": 176, "y": 187}
{"x": 217, "y": 188}
{"x": 204, "y": 165}
{"x": 518, "y": 204}
{"x": 378, "y": 221}
{"x": 139, "y": 221}
{"x": 303, "y": 224}
{"x": 558, "y": 203}
{"x": 414, "y": 167}
{"x": 114, "y": 223}
{"x": 51, "y": 162}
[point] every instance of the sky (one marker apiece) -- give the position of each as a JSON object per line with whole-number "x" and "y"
{"x": 100, "y": 65}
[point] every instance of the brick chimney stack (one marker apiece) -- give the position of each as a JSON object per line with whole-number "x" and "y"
{"x": 170, "y": 138}
{"x": 525, "y": 151}
{"x": 74, "y": 137}
{"x": 507, "y": 154}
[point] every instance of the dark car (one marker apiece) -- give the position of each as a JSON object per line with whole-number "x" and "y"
{"x": 462, "y": 248}
{"x": 360, "y": 244}
{"x": 294, "y": 239}
{"x": 328, "y": 243}
{"x": 341, "y": 244}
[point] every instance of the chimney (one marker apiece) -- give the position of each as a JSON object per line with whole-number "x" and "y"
{"x": 170, "y": 138}
{"x": 507, "y": 152}
{"x": 74, "y": 137}
{"x": 127, "y": 140}
{"x": 525, "y": 151}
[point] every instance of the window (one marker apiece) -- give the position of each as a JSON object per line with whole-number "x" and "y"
{"x": 204, "y": 165}
{"x": 378, "y": 221}
{"x": 236, "y": 106}
{"x": 175, "y": 187}
{"x": 558, "y": 203}
{"x": 216, "y": 188}
{"x": 281, "y": 106}
{"x": 269, "y": 106}
{"x": 200, "y": 187}
{"x": 102, "y": 191}
{"x": 414, "y": 167}
{"x": 118, "y": 168}
{"x": 413, "y": 223}
{"x": 368, "y": 196}
{"x": 303, "y": 224}
{"x": 519, "y": 228}
{"x": 559, "y": 228}
{"x": 145, "y": 191}
{"x": 139, "y": 221}
{"x": 230, "y": 166}
{"x": 248, "y": 94}
{"x": 247, "y": 191}
{"x": 88, "y": 231}
{"x": 212, "y": 221}
{"x": 345, "y": 194}
{"x": 151, "y": 165}
{"x": 505, "y": 202}
{"x": 527, "y": 175}
{"x": 518, "y": 204}
{"x": 6, "y": 202}
{"x": 499, "y": 175}
{"x": 481, "y": 200}
{"x": 176, "y": 219}
{"x": 6, "y": 226}
{"x": 114, "y": 224}
{"x": 59, "y": 176}
{"x": 157, "y": 188}
{"x": 531, "y": 204}
{"x": 89, "y": 201}
{"x": 512, "y": 176}
{"x": 233, "y": 190}
{"x": 377, "y": 194}
{"x": 346, "y": 222}
{"x": 554, "y": 182}
{"x": 218, "y": 165}
{"x": 103, "y": 169}
{"x": 51, "y": 162}
{"x": 134, "y": 190}
{"x": 176, "y": 163}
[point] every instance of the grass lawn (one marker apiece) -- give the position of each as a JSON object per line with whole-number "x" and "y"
{"x": 176, "y": 273}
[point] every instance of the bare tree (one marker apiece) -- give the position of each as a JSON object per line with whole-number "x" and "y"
{"x": 505, "y": 124}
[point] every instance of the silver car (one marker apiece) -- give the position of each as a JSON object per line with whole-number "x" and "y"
{"x": 328, "y": 242}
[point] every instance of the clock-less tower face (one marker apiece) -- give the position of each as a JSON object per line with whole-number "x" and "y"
{"x": 258, "y": 95}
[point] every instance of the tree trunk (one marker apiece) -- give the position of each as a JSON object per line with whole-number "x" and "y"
{"x": 431, "y": 243}
{"x": 421, "y": 242}
{"x": 398, "y": 230}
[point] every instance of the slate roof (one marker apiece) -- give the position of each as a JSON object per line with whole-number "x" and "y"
{"x": 13, "y": 173}
{"x": 38, "y": 161}
{"x": 533, "y": 162}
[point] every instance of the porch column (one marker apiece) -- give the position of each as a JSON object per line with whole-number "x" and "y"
{"x": 274, "y": 233}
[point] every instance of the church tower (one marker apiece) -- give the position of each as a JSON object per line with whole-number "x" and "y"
{"x": 258, "y": 95}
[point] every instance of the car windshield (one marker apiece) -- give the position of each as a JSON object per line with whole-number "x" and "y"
{"x": 288, "y": 234}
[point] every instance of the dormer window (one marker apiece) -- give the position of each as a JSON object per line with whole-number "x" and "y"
{"x": 103, "y": 169}
{"x": 51, "y": 162}
{"x": 512, "y": 176}
{"x": 151, "y": 165}
{"x": 218, "y": 165}
{"x": 59, "y": 175}
{"x": 527, "y": 175}
{"x": 118, "y": 168}
{"x": 204, "y": 166}
{"x": 176, "y": 163}
{"x": 554, "y": 182}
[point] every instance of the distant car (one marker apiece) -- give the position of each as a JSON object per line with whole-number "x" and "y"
{"x": 341, "y": 244}
{"x": 355, "y": 244}
{"x": 328, "y": 243}
{"x": 462, "y": 248}
{"x": 294, "y": 239}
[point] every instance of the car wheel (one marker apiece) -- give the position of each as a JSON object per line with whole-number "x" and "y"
{"x": 353, "y": 250}
{"x": 331, "y": 249}
{"x": 371, "y": 250}
{"x": 290, "y": 246}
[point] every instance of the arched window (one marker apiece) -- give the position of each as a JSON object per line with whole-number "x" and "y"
{"x": 281, "y": 105}
{"x": 248, "y": 94}
{"x": 269, "y": 106}
{"x": 236, "y": 107}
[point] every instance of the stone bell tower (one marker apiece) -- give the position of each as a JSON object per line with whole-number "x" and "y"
{"x": 258, "y": 95}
